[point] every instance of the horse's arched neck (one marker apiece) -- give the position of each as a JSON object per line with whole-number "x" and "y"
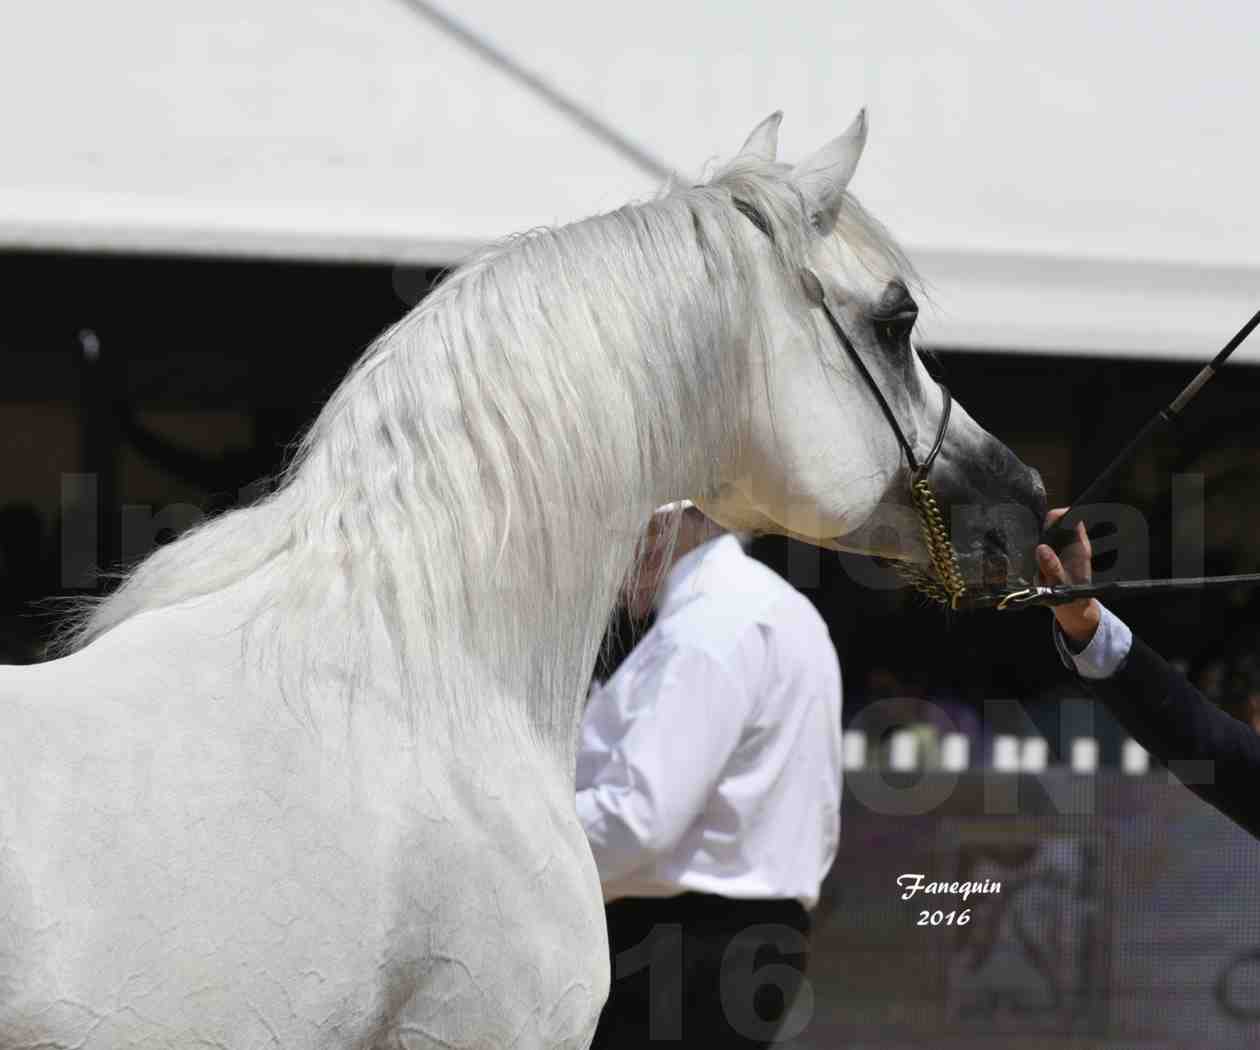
{"x": 554, "y": 598}
{"x": 493, "y": 561}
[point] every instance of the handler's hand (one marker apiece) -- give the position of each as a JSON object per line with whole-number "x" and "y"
{"x": 1078, "y": 620}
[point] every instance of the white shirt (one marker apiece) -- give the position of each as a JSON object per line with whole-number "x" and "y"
{"x": 1106, "y": 651}
{"x": 711, "y": 760}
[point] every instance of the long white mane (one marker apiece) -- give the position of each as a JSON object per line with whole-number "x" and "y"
{"x": 476, "y": 485}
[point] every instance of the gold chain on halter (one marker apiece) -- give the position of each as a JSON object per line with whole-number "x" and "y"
{"x": 945, "y": 583}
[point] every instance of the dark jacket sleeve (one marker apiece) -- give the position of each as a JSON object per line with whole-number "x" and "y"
{"x": 1215, "y": 756}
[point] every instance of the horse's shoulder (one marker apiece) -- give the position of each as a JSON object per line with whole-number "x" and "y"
{"x": 33, "y": 708}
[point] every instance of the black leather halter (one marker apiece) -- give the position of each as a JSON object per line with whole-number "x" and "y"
{"x": 818, "y": 295}
{"x": 945, "y": 582}
{"x": 948, "y": 586}
{"x": 918, "y": 470}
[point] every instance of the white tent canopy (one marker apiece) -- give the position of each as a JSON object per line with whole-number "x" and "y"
{"x": 1074, "y": 177}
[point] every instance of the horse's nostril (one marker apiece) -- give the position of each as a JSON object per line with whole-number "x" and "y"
{"x": 997, "y": 541}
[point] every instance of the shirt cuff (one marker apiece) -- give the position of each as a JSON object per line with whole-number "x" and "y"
{"x": 1104, "y": 654}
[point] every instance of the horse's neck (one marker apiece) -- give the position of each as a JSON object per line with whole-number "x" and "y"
{"x": 528, "y": 514}
{"x": 534, "y": 650}
{"x": 531, "y": 644}
{"x": 527, "y": 633}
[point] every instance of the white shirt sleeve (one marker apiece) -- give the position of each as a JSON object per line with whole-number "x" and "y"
{"x": 660, "y": 775}
{"x": 1106, "y": 651}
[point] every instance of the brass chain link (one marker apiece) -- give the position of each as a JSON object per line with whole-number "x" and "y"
{"x": 945, "y": 583}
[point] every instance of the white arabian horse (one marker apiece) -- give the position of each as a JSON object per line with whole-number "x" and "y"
{"x": 306, "y": 779}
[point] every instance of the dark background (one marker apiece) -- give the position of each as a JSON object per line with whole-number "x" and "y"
{"x": 183, "y": 381}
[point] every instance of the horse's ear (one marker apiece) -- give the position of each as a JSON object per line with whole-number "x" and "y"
{"x": 764, "y": 140}
{"x": 823, "y": 177}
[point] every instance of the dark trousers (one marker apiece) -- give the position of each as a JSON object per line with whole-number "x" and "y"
{"x": 700, "y": 971}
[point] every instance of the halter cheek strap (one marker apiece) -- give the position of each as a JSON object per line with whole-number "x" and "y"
{"x": 945, "y": 584}
{"x": 814, "y": 289}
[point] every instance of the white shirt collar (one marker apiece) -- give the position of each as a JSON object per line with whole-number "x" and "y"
{"x": 682, "y": 582}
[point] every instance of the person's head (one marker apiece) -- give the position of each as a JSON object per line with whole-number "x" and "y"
{"x": 671, "y": 533}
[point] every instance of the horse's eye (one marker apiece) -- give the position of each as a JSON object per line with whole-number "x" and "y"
{"x": 894, "y": 329}
{"x": 894, "y": 316}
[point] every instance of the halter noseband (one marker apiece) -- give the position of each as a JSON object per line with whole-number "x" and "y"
{"x": 946, "y": 584}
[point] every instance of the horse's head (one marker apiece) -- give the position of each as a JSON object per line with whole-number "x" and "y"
{"x": 821, "y": 458}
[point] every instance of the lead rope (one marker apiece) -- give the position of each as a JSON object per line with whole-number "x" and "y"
{"x": 1062, "y": 532}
